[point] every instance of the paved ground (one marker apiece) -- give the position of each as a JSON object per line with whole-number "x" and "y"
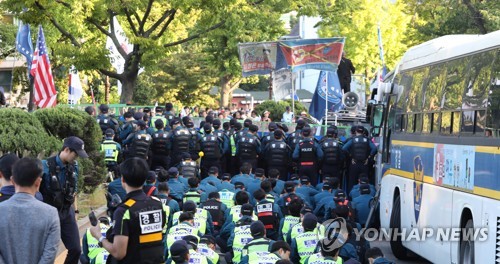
{"x": 386, "y": 249}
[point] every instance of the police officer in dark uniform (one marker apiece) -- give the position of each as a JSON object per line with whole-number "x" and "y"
{"x": 158, "y": 116}
{"x": 179, "y": 139}
{"x": 268, "y": 213}
{"x": 169, "y": 113}
{"x": 361, "y": 150}
{"x": 333, "y": 159}
{"x": 160, "y": 147}
{"x": 277, "y": 154}
{"x": 136, "y": 236}
{"x": 269, "y": 137}
{"x": 59, "y": 189}
{"x": 216, "y": 209}
{"x": 307, "y": 153}
{"x": 225, "y": 144}
{"x": 294, "y": 138}
{"x": 140, "y": 142}
{"x": 248, "y": 147}
{"x": 195, "y": 137}
{"x": 105, "y": 121}
{"x": 188, "y": 167}
{"x": 212, "y": 147}
{"x": 127, "y": 128}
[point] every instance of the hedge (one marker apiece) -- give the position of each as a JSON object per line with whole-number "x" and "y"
{"x": 278, "y": 108}
{"x": 22, "y": 133}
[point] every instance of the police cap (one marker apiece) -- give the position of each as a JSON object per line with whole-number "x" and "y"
{"x": 226, "y": 176}
{"x": 304, "y": 180}
{"x": 189, "y": 206}
{"x": 309, "y": 221}
{"x": 253, "y": 128}
{"x": 175, "y": 121}
{"x": 217, "y": 123}
{"x": 272, "y": 126}
{"x": 257, "y": 228}
{"x": 173, "y": 171}
{"x": 159, "y": 109}
{"x": 306, "y": 131}
{"x": 146, "y": 110}
{"x": 208, "y": 239}
{"x": 247, "y": 122}
{"x": 76, "y": 144}
{"x": 138, "y": 115}
{"x": 364, "y": 188}
{"x": 278, "y": 134}
{"x": 247, "y": 209}
{"x": 109, "y": 132}
{"x": 151, "y": 178}
{"x": 104, "y": 108}
{"x": 239, "y": 185}
{"x": 207, "y": 127}
{"x": 289, "y": 186}
{"x": 179, "y": 249}
{"x": 305, "y": 210}
{"x": 192, "y": 241}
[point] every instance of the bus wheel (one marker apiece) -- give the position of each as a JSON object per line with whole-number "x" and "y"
{"x": 467, "y": 245}
{"x": 397, "y": 247}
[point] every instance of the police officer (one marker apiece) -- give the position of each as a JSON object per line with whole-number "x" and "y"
{"x": 234, "y": 159}
{"x": 213, "y": 177}
{"x": 277, "y": 154}
{"x": 306, "y": 190}
{"x": 91, "y": 251}
{"x": 105, "y": 121}
{"x": 111, "y": 151}
{"x": 140, "y": 143}
{"x": 304, "y": 244}
{"x": 248, "y": 147}
{"x": 193, "y": 194}
{"x": 291, "y": 219}
{"x": 184, "y": 227}
{"x": 169, "y": 113}
{"x": 164, "y": 196}
{"x": 361, "y": 204}
{"x": 274, "y": 174}
{"x": 216, "y": 209}
{"x": 212, "y": 147}
{"x": 177, "y": 188}
{"x": 294, "y": 138}
{"x": 59, "y": 189}
{"x": 361, "y": 150}
{"x": 259, "y": 242}
{"x": 179, "y": 139}
{"x": 195, "y": 139}
{"x": 240, "y": 234}
{"x": 307, "y": 153}
{"x": 158, "y": 116}
{"x": 280, "y": 250}
{"x": 220, "y": 133}
{"x": 129, "y": 242}
{"x": 128, "y": 127}
{"x": 180, "y": 252}
{"x": 329, "y": 250}
{"x": 194, "y": 255}
{"x": 226, "y": 183}
{"x": 355, "y": 190}
{"x": 207, "y": 248}
{"x": 268, "y": 213}
{"x": 160, "y": 147}
{"x": 188, "y": 167}
{"x": 290, "y": 195}
{"x": 333, "y": 159}
{"x": 270, "y": 136}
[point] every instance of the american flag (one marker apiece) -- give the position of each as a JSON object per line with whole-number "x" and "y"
{"x": 45, "y": 92}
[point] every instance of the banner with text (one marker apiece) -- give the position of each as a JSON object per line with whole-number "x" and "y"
{"x": 257, "y": 58}
{"x": 282, "y": 84}
{"x": 318, "y": 54}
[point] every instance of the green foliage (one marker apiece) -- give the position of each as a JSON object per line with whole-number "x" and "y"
{"x": 278, "y": 108}
{"x": 64, "y": 122}
{"x": 22, "y": 133}
{"x": 262, "y": 84}
{"x": 7, "y": 39}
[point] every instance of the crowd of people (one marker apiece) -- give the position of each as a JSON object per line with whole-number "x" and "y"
{"x": 218, "y": 193}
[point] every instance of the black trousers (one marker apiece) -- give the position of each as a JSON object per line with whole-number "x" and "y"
{"x": 70, "y": 235}
{"x": 160, "y": 161}
{"x": 206, "y": 163}
{"x": 282, "y": 169}
{"x": 356, "y": 168}
{"x": 332, "y": 170}
{"x": 311, "y": 172}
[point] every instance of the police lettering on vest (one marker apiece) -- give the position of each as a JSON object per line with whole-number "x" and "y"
{"x": 307, "y": 152}
{"x": 241, "y": 239}
{"x": 214, "y": 207}
{"x": 227, "y": 198}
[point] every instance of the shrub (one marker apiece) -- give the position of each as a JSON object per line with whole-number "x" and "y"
{"x": 23, "y": 134}
{"x": 64, "y": 122}
{"x": 278, "y": 108}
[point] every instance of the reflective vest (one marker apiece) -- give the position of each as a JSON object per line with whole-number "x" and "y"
{"x": 241, "y": 239}
{"x": 188, "y": 169}
{"x": 214, "y": 208}
{"x": 360, "y": 149}
{"x": 178, "y": 234}
{"x": 208, "y": 252}
{"x": 270, "y": 197}
{"x": 192, "y": 195}
{"x": 198, "y": 258}
{"x": 181, "y": 140}
{"x": 319, "y": 259}
{"x": 101, "y": 257}
{"x": 211, "y": 147}
{"x": 306, "y": 244}
{"x": 266, "y": 215}
{"x": 331, "y": 149}
{"x": 233, "y": 145}
{"x": 140, "y": 145}
{"x": 93, "y": 244}
{"x": 256, "y": 245}
{"x": 227, "y": 198}
{"x": 235, "y": 213}
{"x": 153, "y": 120}
{"x": 298, "y": 229}
{"x": 247, "y": 149}
{"x": 200, "y": 213}
{"x": 110, "y": 149}
{"x": 288, "y": 222}
{"x": 262, "y": 258}
{"x": 307, "y": 152}
{"x": 159, "y": 145}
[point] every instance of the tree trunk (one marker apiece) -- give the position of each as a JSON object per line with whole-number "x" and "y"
{"x": 477, "y": 17}
{"x": 225, "y": 91}
{"x": 128, "y": 88}
{"x": 131, "y": 72}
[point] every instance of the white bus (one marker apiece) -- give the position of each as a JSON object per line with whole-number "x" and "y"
{"x": 437, "y": 120}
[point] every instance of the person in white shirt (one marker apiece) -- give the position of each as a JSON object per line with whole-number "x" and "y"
{"x": 287, "y": 115}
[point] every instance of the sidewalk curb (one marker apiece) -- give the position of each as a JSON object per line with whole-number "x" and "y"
{"x": 101, "y": 211}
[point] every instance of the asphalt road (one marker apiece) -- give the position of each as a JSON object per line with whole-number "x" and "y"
{"x": 386, "y": 249}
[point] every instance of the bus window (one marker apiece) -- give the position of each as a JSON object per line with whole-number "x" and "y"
{"x": 468, "y": 122}
{"x": 435, "y": 123}
{"x": 455, "y": 83}
{"x": 410, "y": 127}
{"x": 455, "y": 127}
{"x": 445, "y": 122}
{"x": 493, "y": 118}
{"x": 480, "y": 122}
{"x": 404, "y": 88}
{"x": 398, "y": 123}
{"x": 427, "y": 123}
{"x": 478, "y": 80}
{"x": 415, "y": 95}
{"x": 433, "y": 88}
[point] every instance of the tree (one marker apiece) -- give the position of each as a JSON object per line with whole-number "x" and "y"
{"x": 357, "y": 20}
{"x": 76, "y": 30}
{"x": 7, "y": 39}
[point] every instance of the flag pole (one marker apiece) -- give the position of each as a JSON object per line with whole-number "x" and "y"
{"x": 326, "y": 100}
{"x": 293, "y": 94}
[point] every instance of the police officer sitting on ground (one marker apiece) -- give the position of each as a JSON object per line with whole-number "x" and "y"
{"x": 329, "y": 249}
{"x": 280, "y": 250}
{"x": 59, "y": 189}
{"x": 355, "y": 190}
{"x": 291, "y": 219}
{"x": 246, "y": 218}
{"x": 177, "y": 188}
{"x": 216, "y": 209}
{"x": 180, "y": 252}
{"x": 306, "y": 190}
{"x": 6, "y": 163}
{"x": 244, "y": 176}
{"x": 362, "y": 205}
{"x": 91, "y": 251}
{"x": 305, "y": 243}
{"x": 193, "y": 193}
{"x": 213, "y": 176}
{"x": 267, "y": 186}
{"x": 375, "y": 256}
{"x": 259, "y": 243}
{"x": 280, "y": 184}
{"x": 194, "y": 255}
{"x": 149, "y": 187}
{"x": 226, "y": 183}
{"x": 207, "y": 248}
{"x": 127, "y": 242}
{"x": 268, "y": 213}
{"x": 290, "y": 195}
{"x": 163, "y": 195}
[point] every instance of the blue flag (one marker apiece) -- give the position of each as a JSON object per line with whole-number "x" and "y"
{"x": 327, "y": 80}
{"x": 23, "y": 42}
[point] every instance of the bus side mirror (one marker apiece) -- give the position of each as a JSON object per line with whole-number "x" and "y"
{"x": 376, "y": 118}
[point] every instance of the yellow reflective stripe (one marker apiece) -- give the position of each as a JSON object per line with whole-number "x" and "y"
{"x": 129, "y": 203}
{"x": 413, "y": 143}
{"x": 150, "y": 238}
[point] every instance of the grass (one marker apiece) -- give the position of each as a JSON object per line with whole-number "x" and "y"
{"x": 86, "y": 202}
